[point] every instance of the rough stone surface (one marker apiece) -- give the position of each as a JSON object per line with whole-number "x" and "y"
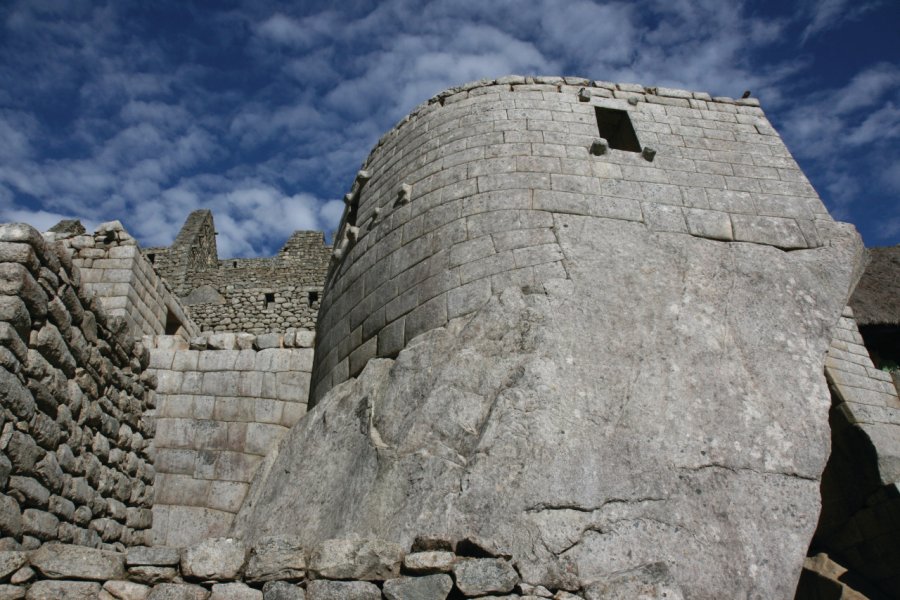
{"x": 698, "y": 438}
{"x": 234, "y": 591}
{"x": 367, "y": 559}
{"x": 282, "y": 590}
{"x": 431, "y": 587}
{"x": 178, "y": 591}
{"x": 429, "y": 562}
{"x": 276, "y": 557}
{"x": 323, "y": 589}
{"x": 70, "y": 590}
{"x": 480, "y": 576}
{"x": 60, "y": 561}
{"x": 126, "y": 590}
{"x": 216, "y": 558}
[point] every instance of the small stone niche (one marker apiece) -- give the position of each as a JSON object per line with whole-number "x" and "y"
{"x": 616, "y": 128}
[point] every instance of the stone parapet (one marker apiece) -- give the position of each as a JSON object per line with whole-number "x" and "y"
{"x": 75, "y": 464}
{"x": 464, "y": 197}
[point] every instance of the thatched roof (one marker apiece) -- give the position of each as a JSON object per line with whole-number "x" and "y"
{"x": 876, "y": 300}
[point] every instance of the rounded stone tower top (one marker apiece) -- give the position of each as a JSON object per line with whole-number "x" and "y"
{"x": 460, "y": 199}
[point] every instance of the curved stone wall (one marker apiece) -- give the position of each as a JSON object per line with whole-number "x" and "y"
{"x": 461, "y": 198}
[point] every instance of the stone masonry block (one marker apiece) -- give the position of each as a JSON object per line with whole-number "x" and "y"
{"x": 429, "y": 315}
{"x": 710, "y": 224}
{"x": 774, "y": 231}
{"x": 467, "y": 298}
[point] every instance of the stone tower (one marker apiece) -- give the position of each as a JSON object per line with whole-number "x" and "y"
{"x": 586, "y": 320}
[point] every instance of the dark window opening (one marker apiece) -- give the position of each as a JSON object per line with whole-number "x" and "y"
{"x": 615, "y": 127}
{"x": 270, "y": 299}
{"x": 234, "y": 265}
{"x": 172, "y": 323}
{"x": 313, "y": 297}
{"x": 152, "y": 258}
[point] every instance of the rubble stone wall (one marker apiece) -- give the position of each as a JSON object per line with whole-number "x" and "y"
{"x": 463, "y": 198}
{"x": 223, "y": 403}
{"x": 75, "y": 464}
{"x": 278, "y": 568}
{"x": 113, "y": 267}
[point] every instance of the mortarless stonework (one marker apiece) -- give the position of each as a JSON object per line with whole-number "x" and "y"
{"x": 75, "y": 402}
{"x": 611, "y": 365}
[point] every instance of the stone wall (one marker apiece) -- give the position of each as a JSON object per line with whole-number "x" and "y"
{"x": 463, "y": 198}
{"x": 223, "y": 403}
{"x": 113, "y": 267}
{"x": 860, "y": 521}
{"x": 75, "y": 463}
{"x": 255, "y": 295}
{"x": 279, "y": 568}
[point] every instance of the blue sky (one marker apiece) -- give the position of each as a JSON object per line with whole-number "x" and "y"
{"x": 263, "y": 111}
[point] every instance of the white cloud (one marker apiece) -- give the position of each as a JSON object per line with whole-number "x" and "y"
{"x": 824, "y": 15}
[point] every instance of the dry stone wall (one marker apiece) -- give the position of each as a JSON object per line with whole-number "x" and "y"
{"x": 75, "y": 394}
{"x": 279, "y": 568}
{"x": 223, "y": 403}
{"x": 113, "y": 267}
{"x": 464, "y": 197}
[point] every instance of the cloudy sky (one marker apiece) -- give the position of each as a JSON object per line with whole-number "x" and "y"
{"x": 263, "y": 111}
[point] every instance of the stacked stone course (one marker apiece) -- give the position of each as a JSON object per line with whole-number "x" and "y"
{"x": 75, "y": 465}
{"x": 464, "y": 197}
{"x": 223, "y": 403}
{"x": 278, "y": 568}
{"x": 113, "y": 268}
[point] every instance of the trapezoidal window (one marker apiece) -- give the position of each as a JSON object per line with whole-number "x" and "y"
{"x": 172, "y": 322}
{"x": 615, "y": 127}
{"x": 269, "y": 300}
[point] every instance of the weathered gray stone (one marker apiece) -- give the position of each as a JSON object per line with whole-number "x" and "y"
{"x": 126, "y": 590}
{"x": 159, "y": 556}
{"x": 234, "y": 591}
{"x": 282, "y": 590}
{"x": 70, "y": 590}
{"x": 366, "y": 559}
{"x": 11, "y": 592}
{"x": 151, "y": 574}
{"x": 538, "y": 423}
{"x": 216, "y": 558}
{"x": 322, "y": 589}
{"x": 435, "y": 561}
{"x": 59, "y": 561}
{"x": 652, "y": 581}
{"x": 430, "y": 587}
{"x": 10, "y": 562}
{"x": 276, "y": 557}
{"x": 480, "y": 576}
{"x": 178, "y": 591}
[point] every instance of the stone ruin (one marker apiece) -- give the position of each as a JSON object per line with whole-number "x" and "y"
{"x": 573, "y": 339}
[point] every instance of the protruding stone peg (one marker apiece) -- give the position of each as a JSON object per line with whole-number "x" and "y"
{"x": 633, "y": 100}
{"x": 352, "y": 233}
{"x": 648, "y": 153}
{"x": 376, "y": 211}
{"x": 363, "y": 176}
{"x": 584, "y": 95}
{"x": 405, "y": 193}
{"x": 348, "y": 199}
{"x": 599, "y": 147}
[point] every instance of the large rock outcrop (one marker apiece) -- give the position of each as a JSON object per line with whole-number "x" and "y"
{"x": 659, "y": 416}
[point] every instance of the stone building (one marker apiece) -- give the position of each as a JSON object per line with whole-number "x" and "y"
{"x": 596, "y": 331}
